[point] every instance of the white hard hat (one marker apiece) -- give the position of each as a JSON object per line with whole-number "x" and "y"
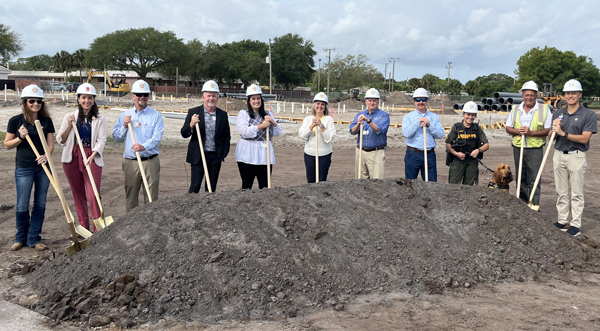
{"x": 140, "y": 86}
{"x": 86, "y": 88}
{"x": 32, "y": 91}
{"x": 321, "y": 97}
{"x": 530, "y": 85}
{"x": 420, "y": 93}
{"x": 470, "y": 107}
{"x": 210, "y": 86}
{"x": 372, "y": 93}
{"x": 251, "y": 90}
{"x": 573, "y": 85}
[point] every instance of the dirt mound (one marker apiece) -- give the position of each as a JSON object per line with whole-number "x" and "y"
{"x": 402, "y": 99}
{"x": 288, "y": 251}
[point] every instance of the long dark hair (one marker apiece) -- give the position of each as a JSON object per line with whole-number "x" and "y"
{"x": 28, "y": 117}
{"x": 90, "y": 116}
{"x": 261, "y": 109}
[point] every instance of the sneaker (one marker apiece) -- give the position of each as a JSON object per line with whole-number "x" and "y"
{"x": 40, "y": 247}
{"x": 16, "y": 246}
{"x": 561, "y": 226}
{"x": 574, "y": 231}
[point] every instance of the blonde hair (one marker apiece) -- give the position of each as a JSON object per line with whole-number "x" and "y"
{"x": 28, "y": 113}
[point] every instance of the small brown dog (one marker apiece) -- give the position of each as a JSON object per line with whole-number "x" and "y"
{"x": 501, "y": 178}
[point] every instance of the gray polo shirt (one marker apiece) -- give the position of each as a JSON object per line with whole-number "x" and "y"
{"x": 581, "y": 120}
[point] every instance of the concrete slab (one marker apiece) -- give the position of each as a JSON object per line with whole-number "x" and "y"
{"x": 16, "y": 318}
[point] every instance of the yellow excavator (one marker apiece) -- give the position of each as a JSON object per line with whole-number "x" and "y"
{"x": 551, "y": 98}
{"x": 115, "y": 86}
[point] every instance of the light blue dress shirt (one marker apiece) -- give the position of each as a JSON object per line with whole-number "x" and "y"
{"x": 148, "y": 128}
{"x": 412, "y": 130}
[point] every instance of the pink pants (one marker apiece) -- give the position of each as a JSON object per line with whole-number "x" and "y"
{"x": 80, "y": 183}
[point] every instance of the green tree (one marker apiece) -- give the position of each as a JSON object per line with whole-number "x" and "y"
{"x": 454, "y": 87}
{"x": 428, "y": 80}
{"x": 10, "y": 44}
{"x": 246, "y": 60}
{"x": 79, "y": 61}
{"x": 486, "y": 86}
{"x": 62, "y": 61}
{"x": 141, "y": 50}
{"x": 413, "y": 84}
{"x": 350, "y": 71}
{"x": 550, "y": 65}
{"x": 32, "y": 63}
{"x": 292, "y": 58}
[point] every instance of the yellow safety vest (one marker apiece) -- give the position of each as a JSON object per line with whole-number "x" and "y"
{"x": 537, "y": 123}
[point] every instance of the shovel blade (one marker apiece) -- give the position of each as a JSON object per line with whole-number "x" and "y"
{"x": 99, "y": 223}
{"x": 108, "y": 220}
{"x": 74, "y": 248}
{"x": 534, "y": 207}
{"x": 85, "y": 233}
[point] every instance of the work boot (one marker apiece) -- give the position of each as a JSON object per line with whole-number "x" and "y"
{"x": 574, "y": 231}
{"x": 16, "y": 246}
{"x": 40, "y": 247}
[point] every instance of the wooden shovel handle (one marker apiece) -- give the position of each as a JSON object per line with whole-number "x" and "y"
{"x": 206, "y": 176}
{"x": 520, "y": 166}
{"x": 425, "y": 153}
{"x": 87, "y": 167}
{"x": 141, "y": 166}
{"x": 360, "y": 144}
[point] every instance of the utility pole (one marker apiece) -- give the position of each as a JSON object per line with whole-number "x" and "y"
{"x": 449, "y": 66}
{"x": 270, "y": 70}
{"x": 385, "y": 73}
{"x": 393, "y": 60}
{"x": 319, "y": 80}
{"x": 177, "y": 82}
{"x": 328, "y": 63}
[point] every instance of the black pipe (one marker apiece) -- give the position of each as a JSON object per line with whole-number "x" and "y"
{"x": 491, "y": 101}
{"x": 504, "y": 107}
{"x": 506, "y": 95}
{"x": 496, "y": 106}
{"x": 484, "y": 101}
{"x": 501, "y": 101}
{"x": 486, "y": 107}
{"x": 457, "y": 106}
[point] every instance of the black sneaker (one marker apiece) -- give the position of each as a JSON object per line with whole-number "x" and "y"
{"x": 561, "y": 226}
{"x": 574, "y": 231}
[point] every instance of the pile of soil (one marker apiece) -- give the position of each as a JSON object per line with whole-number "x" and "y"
{"x": 402, "y": 99}
{"x": 285, "y": 252}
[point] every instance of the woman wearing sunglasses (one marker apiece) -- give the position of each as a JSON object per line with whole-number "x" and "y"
{"x": 92, "y": 131}
{"x": 28, "y": 170}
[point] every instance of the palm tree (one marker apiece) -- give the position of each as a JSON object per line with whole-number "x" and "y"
{"x": 79, "y": 59}
{"x": 62, "y": 61}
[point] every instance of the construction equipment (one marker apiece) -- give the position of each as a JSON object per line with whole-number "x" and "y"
{"x": 101, "y": 222}
{"x": 117, "y": 85}
{"x": 551, "y": 98}
{"x": 354, "y": 93}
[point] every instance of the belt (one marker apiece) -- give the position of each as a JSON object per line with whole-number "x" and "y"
{"x": 571, "y": 152}
{"x": 146, "y": 158}
{"x": 420, "y": 150}
{"x": 372, "y": 149}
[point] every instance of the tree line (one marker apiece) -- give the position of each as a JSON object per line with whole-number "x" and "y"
{"x": 146, "y": 50}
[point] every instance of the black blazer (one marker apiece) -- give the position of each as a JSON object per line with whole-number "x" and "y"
{"x": 222, "y": 135}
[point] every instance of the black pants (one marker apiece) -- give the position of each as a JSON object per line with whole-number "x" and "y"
{"x": 324, "y": 163}
{"x": 213, "y": 163}
{"x": 250, "y": 171}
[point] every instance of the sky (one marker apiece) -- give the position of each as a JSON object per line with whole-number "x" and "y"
{"x": 478, "y": 37}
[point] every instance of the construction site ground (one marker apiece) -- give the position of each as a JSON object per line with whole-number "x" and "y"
{"x": 342, "y": 255}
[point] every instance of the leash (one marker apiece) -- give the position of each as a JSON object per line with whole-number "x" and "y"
{"x": 486, "y": 168}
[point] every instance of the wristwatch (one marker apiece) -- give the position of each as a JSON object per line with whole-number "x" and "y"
{"x": 322, "y": 126}
{"x": 479, "y": 149}
{"x": 566, "y": 135}
{"x": 368, "y": 121}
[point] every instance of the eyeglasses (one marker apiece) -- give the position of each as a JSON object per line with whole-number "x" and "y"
{"x": 32, "y": 101}
{"x": 142, "y": 95}
{"x": 421, "y": 100}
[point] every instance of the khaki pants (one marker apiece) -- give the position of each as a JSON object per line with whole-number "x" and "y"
{"x": 373, "y": 164}
{"x": 133, "y": 180}
{"x": 569, "y": 169}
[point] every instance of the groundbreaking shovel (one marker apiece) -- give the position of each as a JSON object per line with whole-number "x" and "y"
{"x": 539, "y": 175}
{"x": 101, "y": 222}
{"x": 425, "y": 152}
{"x": 137, "y": 154}
{"x": 360, "y": 143}
{"x": 77, "y": 245}
{"x": 317, "y": 153}
{"x": 520, "y": 166}
{"x": 206, "y": 176}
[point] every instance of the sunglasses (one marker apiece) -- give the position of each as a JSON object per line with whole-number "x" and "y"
{"x": 421, "y": 100}
{"x": 142, "y": 95}
{"x": 32, "y": 101}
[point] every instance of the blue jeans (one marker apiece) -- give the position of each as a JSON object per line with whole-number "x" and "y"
{"x": 415, "y": 162}
{"x": 311, "y": 169}
{"x": 29, "y": 228}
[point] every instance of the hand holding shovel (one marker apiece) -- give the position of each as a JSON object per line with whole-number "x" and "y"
{"x": 101, "y": 222}
{"x": 520, "y": 165}
{"x": 360, "y": 146}
{"x": 317, "y": 153}
{"x": 206, "y": 176}
{"x": 539, "y": 175}
{"x": 137, "y": 154}
{"x": 268, "y": 160}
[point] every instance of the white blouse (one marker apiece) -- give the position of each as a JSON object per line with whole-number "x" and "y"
{"x": 253, "y": 151}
